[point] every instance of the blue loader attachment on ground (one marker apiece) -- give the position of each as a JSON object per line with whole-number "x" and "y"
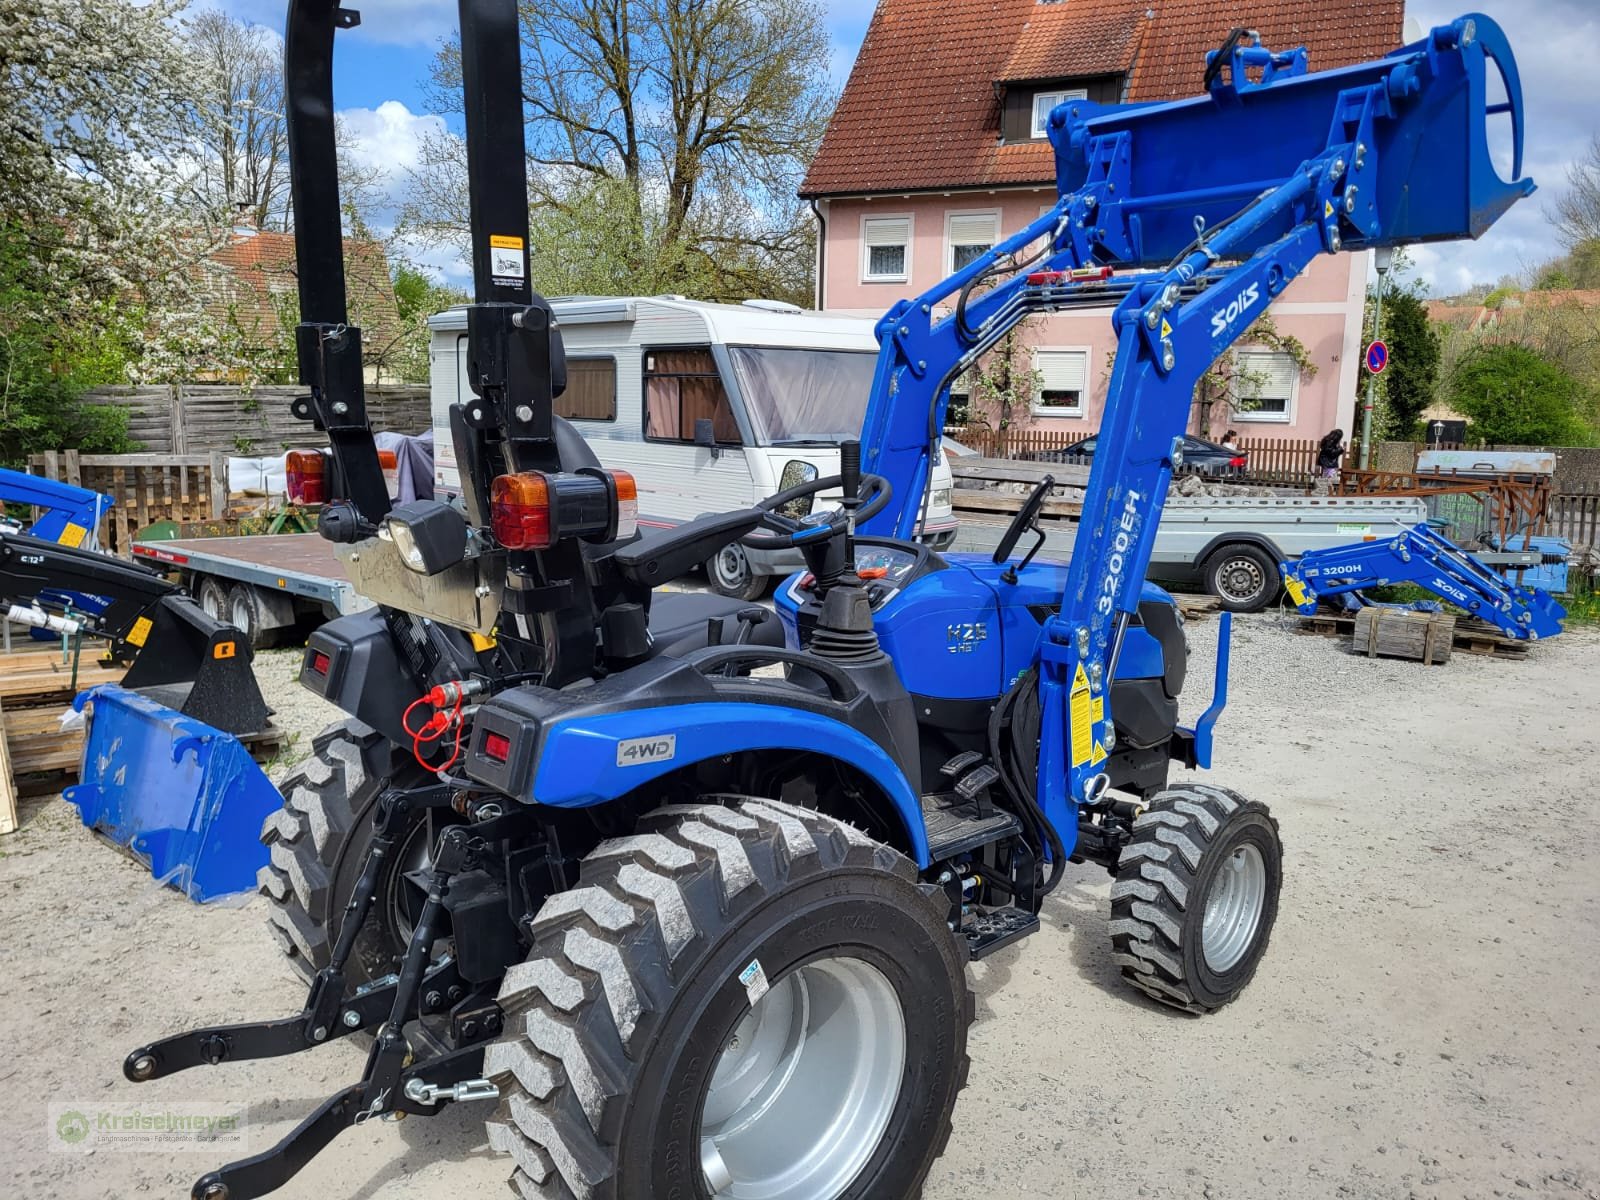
{"x": 183, "y": 798}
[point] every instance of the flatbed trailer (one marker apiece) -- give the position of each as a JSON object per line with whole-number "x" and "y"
{"x": 260, "y": 583}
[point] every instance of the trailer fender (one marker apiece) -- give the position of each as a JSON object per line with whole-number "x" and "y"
{"x": 596, "y": 759}
{"x": 1245, "y": 536}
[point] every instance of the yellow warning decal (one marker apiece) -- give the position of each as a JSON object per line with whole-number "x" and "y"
{"x": 140, "y": 631}
{"x": 501, "y": 242}
{"x": 1097, "y": 709}
{"x": 1098, "y": 756}
{"x": 1081, "y": 721}
{"x": 1166, "y": 327}
{"x": 1327, "y": 208}
{"x": 224, "y": 649}
{"x": 1296, "y": 590}
{"x": 72, "y": 535}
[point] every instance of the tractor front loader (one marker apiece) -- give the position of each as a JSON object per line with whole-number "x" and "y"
{"x": 687, "y": 928}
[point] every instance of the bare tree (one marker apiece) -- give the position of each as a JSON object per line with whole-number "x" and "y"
{"x": 240, "y": 136}
{"x": 699, "y": 116}
{"x": 1577, "y": 212}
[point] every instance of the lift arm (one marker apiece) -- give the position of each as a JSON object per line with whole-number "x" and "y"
{"x": 1421, "y": 556}
{"x": 1231, "y": 196}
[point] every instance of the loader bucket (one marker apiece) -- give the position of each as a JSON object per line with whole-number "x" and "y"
{"x": 183, "y": 798}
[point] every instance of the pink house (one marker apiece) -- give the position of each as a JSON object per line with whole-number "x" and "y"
{"x": 937, "y": 151}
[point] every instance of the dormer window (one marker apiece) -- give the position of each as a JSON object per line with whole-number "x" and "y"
{"x": 1044, "y": 102}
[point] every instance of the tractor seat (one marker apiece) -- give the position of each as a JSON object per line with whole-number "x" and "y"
{"x": 678, "y": 622}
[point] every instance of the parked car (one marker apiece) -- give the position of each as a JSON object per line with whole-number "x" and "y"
{"x": 1205, "y": 458}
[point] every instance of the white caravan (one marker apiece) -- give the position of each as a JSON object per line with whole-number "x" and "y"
{"x": 712, "y": 407}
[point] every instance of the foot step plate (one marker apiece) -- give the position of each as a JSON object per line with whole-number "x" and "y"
{"x": 957, "y": 825}
{"x": 988, "y": 931}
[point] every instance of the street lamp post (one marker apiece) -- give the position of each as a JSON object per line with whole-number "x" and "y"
{"x": 1381, "y": 258}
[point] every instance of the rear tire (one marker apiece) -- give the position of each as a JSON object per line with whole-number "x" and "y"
{"x": 317, "y": 843}
{"x": 1244, "y": 577}
{"x": 245, "y": 614}
{"x": 1196, "y": 896}
{"x": 640, "y": 1060}
{"x": 731, "y": 574}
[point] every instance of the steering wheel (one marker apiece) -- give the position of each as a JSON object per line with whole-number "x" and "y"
{"x": 1024, "y": 519}
{"x": 874, "y": 491}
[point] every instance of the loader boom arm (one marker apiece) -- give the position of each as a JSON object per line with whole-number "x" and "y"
{"x": 1419, "y": 555}
{"x": 1229, "y": 196}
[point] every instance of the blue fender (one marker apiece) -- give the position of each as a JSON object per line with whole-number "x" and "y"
{"x": 594, "y": 759}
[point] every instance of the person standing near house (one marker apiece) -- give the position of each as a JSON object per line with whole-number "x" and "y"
{"x": 1330, "y": 453}
{"x": 1230, "y": 440}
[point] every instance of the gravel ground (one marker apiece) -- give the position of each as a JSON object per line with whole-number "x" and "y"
{"x": 1425, "y": 1024}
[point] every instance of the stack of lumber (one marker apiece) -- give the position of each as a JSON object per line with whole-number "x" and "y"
{"x": 36, "y": 690}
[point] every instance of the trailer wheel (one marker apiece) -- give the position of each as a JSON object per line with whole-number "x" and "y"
{"x": 317, "y": 842}
{"x": 245, "y": 614}
{"x": 731, "y": 574}
{"x": 1244, "y": 577}
{"x": 743, "y": 1001}
{"x": 213, "y": 598}
{"x": 1196, "y": 896}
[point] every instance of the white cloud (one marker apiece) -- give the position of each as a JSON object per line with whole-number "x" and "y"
{"x": 389, "y": 137}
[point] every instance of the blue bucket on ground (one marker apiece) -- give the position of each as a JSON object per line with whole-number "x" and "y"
{"x": 183, "y": 798}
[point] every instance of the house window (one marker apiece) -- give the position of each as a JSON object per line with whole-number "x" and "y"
{"x": 1063, "y": 379}
{"x": 1043, "y": 102}
{"x": 682, "y": 386}
{"x": 1265, "y": 383}
{"x": 967, "y": 236}
{"x": 886, "y": 249}
{"x": 591, "y": 393}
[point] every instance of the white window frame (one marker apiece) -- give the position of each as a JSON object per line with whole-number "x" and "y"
{"x": 1286, "y": 417}
{"x": 866, "y": 250}
{"x": 1037, "y": 120}
{"x": 949, "y": 243}
{"x": 1079, "y": 410}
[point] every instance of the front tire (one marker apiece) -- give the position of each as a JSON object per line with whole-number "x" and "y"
{"x": 642, "y": 1057}
{"x": 732, "y": 575}
{"x": 1196, "y": 896}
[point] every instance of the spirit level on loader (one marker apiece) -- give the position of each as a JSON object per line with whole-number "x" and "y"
{"x": 690, "y": 930}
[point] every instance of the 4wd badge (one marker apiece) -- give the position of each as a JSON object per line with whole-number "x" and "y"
{"x": 965, "y": 636}
{"x": 636, "y": 752}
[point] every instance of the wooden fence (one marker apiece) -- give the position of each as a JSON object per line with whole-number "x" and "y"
{"x": 1576, "y": 517}
{"x": 195, "y": 418}
{"x": 144, "y": 488}
{"x": 1276, "y": 461}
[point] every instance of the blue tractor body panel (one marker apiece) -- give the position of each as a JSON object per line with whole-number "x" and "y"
{"x": 599, "y": 758}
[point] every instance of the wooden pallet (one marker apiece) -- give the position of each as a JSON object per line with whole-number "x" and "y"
{"x": 1196, "y": 608}
{"x": 1471, "y": 636}
{"x": 29, "y": 677}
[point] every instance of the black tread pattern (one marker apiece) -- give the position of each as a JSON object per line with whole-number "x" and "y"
{"x": 322, "y": 802}
{"x": 1157, "y": 882}
{"x": 606, "y": 959}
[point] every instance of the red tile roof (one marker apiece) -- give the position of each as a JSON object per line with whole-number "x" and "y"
{"x": 921, "y": 111}
{"x": 251, "y": 285}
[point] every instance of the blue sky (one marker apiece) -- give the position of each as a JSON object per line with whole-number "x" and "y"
{"x": 382, "y": 72}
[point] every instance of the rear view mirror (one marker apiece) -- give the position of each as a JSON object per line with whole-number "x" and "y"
{"x": 705, "y": 434}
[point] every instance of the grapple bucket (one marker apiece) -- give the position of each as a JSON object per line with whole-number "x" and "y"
{"x": 183, "y": 798}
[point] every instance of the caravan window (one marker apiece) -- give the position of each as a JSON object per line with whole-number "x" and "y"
{"x": 799, "y": 396}
{"x": 682, "y": 386}
{"x": 591, "y": 393}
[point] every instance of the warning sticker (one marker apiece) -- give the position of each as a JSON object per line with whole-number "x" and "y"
{"x": 508, "y": 260}
{"x": 72, "y": 535}
{"x": 1097, "y": 709}
{"x": 1166, "y": 327}
{"x": 140, "y": 631}
{"x": 1327, "y": 208}
{"x": 755, "y": 982}
{"x": 1080, "y": 718}
{"x": 1098, "y": 755}
{"x": 1296, "y": 589}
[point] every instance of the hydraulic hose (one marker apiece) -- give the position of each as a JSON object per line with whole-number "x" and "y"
{"x": 1014, "y": 779}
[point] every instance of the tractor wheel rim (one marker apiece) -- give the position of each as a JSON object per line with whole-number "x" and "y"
{"x": 804, "y": 1088}
{"x": 1233, "y": 908}
{"x": 1242, "y": 579}
{"x": 733, "y": 570}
